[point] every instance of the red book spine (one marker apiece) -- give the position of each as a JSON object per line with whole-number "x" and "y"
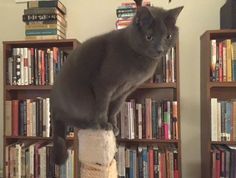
{"x": 217, "y": 164}
{"x": 15, "y": 117}
{"x": 151, "y": 163}
{"x": 176, "y": 169}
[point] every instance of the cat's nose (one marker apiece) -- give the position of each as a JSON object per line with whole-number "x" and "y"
{"x": 160, "y": 50}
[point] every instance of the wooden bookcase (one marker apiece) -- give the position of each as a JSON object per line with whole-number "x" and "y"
{"x": 211, "y": 89}
{"x": 31, "y": 91}
{"x": 159, "y": 91}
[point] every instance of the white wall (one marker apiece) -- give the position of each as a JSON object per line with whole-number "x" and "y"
{"x": 89, "y": 18}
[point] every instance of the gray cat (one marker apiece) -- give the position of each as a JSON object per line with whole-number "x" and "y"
{"x": 104, "y": 70}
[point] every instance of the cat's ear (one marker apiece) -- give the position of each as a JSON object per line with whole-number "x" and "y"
{"x": 143, "y": 18}
{"x": 172, "y": 15}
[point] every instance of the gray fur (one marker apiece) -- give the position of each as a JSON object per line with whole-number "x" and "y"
{"x": 104, "y": 70}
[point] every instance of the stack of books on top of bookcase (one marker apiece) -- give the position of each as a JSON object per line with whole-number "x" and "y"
{"x": 125, "y": 13}
{"x": 45, "y": 20}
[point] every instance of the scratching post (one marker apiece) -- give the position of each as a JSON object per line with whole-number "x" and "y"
{"x": 97, "y": 149}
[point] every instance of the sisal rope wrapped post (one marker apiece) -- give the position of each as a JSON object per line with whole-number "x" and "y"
{"x": 97, "y": 149}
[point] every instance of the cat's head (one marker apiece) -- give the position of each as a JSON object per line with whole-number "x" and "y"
{"x": 154, "y": 30}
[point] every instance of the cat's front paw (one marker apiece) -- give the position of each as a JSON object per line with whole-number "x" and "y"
{"x": 116, "y": 131}
{"x": 106, "y": 126}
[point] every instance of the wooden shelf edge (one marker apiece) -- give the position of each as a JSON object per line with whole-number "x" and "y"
{"x": 222, "y": 84}
{"x": 41, "y": 41}
{"x": 146, "y": 141}
{"x": 223, "y": 142}
{"x": 49, "y": 87}
{"x": 28, "y": 87}
{"x": 33, "y": 138}
{"x": 157, "y": 85}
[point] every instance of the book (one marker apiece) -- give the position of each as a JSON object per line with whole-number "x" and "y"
{"x": 15, "y": 117}
{"x": 213, "y": 60}
{"x": 233, "y": 48}
{"x": 8, "y": 118}
{"x": 44, "y": 37}
{"x": 53, "y": 31}
{"x": 228, "y": 60}
{"x": 42, "y": 4}
{"x": 213, "y": 119}
{"x": 43, "y": 10}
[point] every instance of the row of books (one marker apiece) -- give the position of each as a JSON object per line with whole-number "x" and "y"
{"x": 223, "y": 60}
{"x": 148, "y": 162}
{"x": 150, "y": 120}
{"x": 45, "y": 20}
{"x": 34, "y": 66}
{"x": 166, "y": 72}
{"x": 223, "y": 161}
{"x": 223, "y": 120}
{"x": 125, "y": 13}
{"x": 29, "y": 117}
{"x": 35, "y": 160}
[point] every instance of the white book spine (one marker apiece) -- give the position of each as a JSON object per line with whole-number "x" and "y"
{"x": 47, "y": 111}
{"x": 132, "y": 134}
{"x": 34, "y": 118}
{"x": 18, "y": 163}
{"x": 44, "y": 118}
{"x": 167, "y": 66}
{"x": 51, "y": 67}
{"x": 214, "y": 119}
{"x": 22, "y": 71}
{"x": 31, "y": 163}
{"x": 173, "y": 57}
{"x": 218, "y": 121}
{"x": 28, "y": 126}
{"x": 29, "y": 66}
{"x": 26, "y": 66}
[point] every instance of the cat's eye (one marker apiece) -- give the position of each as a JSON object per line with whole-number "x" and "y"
{"x": 149, "y": 37}
{"x": 169, "y": 36}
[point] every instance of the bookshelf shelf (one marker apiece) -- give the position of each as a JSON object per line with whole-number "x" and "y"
{"x": 215, "y": 95}
{"x": 49, "y": 87}
{"x": 33, "y": 138}
{"x": 146, "y": 141}
{"x": 223, "y": 142}
{"x": 222, "y": 84}
{"x": 20, "y": 94}
{"x": 27, "y": 87}
{"x": 158, "y": 85}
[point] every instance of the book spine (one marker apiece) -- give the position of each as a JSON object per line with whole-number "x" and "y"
{"x": 229, "y": 60}
{"x": 15, "y": 117}
{"x": 8, "y": 118}
{"x": 39, "y": 17}
{"x": 214, "y": 119}
{"x": 40, "y": 4}
{"x": 213, "y": 60}
{"x": 46, "y": 10}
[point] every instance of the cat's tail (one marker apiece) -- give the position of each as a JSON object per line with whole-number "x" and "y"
{"x": 59, "y": 142}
